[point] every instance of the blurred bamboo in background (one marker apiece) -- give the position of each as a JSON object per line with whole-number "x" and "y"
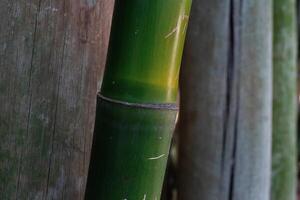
{"x": 284, "y": 159}
{"x": 226, "y": 102}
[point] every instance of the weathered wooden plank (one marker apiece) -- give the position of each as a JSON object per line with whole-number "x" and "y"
{"x": 226, "y": 102}
{"x": 51, "y": 58}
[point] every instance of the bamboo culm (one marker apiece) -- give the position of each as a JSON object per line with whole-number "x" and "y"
{"x": 284, "y": 159}
{"x": 136, "y": 109}
{"x": 226, "y": 102}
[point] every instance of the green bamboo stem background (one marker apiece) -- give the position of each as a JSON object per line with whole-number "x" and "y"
{"x": 137, "y": 107}
{"x": 284, "y": 173}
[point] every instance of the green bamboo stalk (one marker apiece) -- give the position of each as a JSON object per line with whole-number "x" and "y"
{"x": 284, "y": 172}
{"x": 137, "y": 106}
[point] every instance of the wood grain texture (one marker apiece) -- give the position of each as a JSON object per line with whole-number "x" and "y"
{"x": 226, "y": 102}
{"x": 51, "y": 57}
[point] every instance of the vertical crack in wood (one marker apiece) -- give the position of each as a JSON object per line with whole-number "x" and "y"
{"x": 231, "y": 111}
{"x": 229, "y": 83}
{"x": 56, "y": 108}
{"x": 228, "y": 106}
{"x": 233, "y": 164}
{"x": 30, "y": 96}
{"x": 237, "y": 33}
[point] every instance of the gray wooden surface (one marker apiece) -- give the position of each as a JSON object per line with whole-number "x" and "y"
{"x": 52, "y": 54}
{"x": 226, "y": 87}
